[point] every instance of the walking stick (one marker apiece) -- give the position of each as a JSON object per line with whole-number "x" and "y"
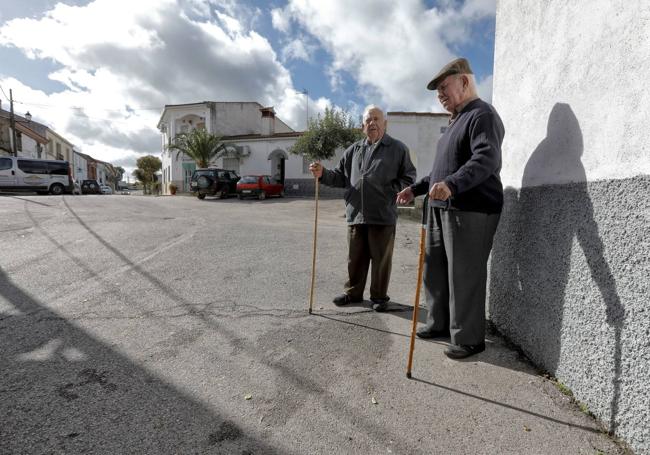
{"x": 313, "y": 260}
{"x": 416, "y": 304}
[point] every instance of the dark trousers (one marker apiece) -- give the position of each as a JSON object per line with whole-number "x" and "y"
{"x": 366, "y": 243}
{"x": 455, "y": 272}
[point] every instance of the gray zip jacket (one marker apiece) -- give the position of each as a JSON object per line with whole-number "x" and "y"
{"x": 372, "y": 176}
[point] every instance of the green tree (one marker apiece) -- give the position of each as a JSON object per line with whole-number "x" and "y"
{"x": 146, "y": 171}
{"x": 119, "y": 173}
{"x": 201, "y": 146}
{"x": 326, "y": 134}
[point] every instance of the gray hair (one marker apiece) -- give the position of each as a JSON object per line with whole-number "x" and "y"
{"x": 471, "y": 87}
{"x": 369, "y": 108}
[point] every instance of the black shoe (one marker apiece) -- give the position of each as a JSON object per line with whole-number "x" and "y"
{"x": 460, "y": 351}
{"x": 345, "y": 299}
{"x": 380, "y": 305}
{"x": 430, "y": 334}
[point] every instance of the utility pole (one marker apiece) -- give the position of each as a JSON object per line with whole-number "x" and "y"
{"x": 12, "y": 123}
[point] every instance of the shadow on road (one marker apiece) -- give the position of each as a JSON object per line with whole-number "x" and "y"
{"x": 507, "y": 406}
{"x": 65, "y": 391}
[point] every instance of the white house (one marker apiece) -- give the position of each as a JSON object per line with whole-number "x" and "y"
{"x": 261, "y": 143}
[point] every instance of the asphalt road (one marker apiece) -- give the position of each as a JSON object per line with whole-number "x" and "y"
{"x": 169, "y": 325}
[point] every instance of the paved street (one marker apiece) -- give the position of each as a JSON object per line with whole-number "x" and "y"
{"x": 169, "y": 325}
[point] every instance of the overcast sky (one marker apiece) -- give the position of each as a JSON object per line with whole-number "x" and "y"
{"x": 99, "y": 72}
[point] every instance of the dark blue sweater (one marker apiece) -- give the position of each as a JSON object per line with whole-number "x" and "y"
{"x": 468, "y": 160}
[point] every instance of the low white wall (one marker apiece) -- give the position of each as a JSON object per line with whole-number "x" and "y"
{"x": 420, "y": 132}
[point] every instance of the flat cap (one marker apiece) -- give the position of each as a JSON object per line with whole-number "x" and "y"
{"x": 458, "y": 66}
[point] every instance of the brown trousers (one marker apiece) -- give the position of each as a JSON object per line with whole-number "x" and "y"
{"x": 366, "y": 243}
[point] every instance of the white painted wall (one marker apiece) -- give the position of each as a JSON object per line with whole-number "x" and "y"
{"x": 79, "y": 167}
{"x": 54, "y": 139}
{"x": 102, "y": 174}
{"x": 585, "y": 62}
{"x": 28, "y": 147}
{"x": 172, "y": 170}
{"x": 258, "y": 163}
{"x": 420, "y": 132}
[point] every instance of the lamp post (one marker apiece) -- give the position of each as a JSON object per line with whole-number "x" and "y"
{"x": 306, "y": 93}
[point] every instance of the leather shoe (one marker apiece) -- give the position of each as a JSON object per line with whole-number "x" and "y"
{"x": 430, "y": 334}
{"x": 380, "y": 305}
{"x": 461, "y": 351}
{"x": 345, "y": 299}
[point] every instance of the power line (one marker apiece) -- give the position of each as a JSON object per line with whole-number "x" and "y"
{"x": 3, "y": 92}
{"x": 80, "y": 112}
{"x": 50, "y": 106}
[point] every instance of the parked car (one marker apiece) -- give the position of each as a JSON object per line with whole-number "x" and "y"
{"x": 90, "y": 187}
{"x": 214, "y": 182}
{"x": 105, "y": 189}
{"x": 42, "y": 176}
{"x": 259, "y": 186}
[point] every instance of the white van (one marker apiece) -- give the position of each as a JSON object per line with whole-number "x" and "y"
{"x": 42, "y": 176}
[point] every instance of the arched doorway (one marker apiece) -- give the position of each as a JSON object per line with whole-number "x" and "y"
{"x": 277, "y": 158}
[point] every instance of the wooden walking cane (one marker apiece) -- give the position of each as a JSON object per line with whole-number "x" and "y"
{"x": 313, "y": 260}
{"x": 416, "y": 304}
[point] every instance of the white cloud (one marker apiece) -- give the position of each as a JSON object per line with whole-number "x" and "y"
{"x": 232, "y": 24}
{"x": 298, "y": 49}
{"x": 295, "y": 105}
{"x": 280, "y": 20}
{"x": 484, "y": 88}
{"x": 478, "y": 8}
{"x": 124, "y": 60}
{"x": 391, "y": 49}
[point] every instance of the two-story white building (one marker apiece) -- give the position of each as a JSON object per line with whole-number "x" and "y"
{"x": 260, "y": 140}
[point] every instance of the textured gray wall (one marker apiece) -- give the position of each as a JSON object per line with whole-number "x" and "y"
{"x": 569, "y": 284}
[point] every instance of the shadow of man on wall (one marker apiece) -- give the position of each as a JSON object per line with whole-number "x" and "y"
{"x": 543, "y": 230}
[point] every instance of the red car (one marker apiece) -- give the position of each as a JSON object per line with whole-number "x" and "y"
{"x": 259, "y": 186}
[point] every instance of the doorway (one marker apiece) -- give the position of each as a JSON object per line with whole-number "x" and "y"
{"x": 278, "y": 169}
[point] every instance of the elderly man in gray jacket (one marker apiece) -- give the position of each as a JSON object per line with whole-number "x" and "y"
{"x": 372, "y": 170}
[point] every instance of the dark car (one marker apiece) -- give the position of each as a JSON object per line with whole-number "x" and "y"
{"x": 90, "y": 187}
{"x": 259, "y": 186}
{"x": 214, "y": 182}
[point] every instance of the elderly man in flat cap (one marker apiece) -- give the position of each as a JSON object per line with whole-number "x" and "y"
{"x": 464, "y": 206}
